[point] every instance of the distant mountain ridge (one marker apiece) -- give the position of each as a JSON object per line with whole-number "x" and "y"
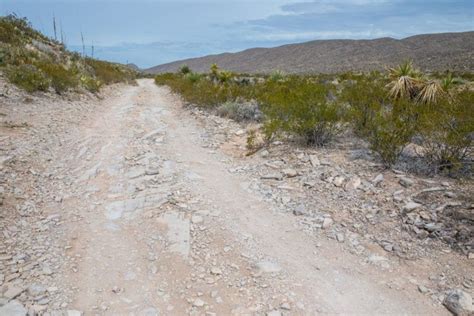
{"x": 430, "y": 52}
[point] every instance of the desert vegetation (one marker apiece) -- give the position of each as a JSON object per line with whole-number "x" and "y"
{"x": 34, "y": 62}
{"x": 388, "y": 110}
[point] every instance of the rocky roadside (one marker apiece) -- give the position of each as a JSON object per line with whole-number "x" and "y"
{"x": 390, "y": 218}
{"x": 32, "y": 188}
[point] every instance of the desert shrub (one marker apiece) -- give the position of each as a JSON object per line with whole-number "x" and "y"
{"x": 14, "y": 55}
{"x": 447, "y": 131}
{"x": 185, "y": 70}
{"x": 204, "y": 91}
{"x": 224, "y": 76}
{"x": 27, "y": 77}
{"x": 299, "y": 107}
{"x": 365, "y": 98}
{"x": 15, "y": 30}
{"x": 91, "y": 84}
{"x": 214, "y": 71}
{"x": 3, "y": 55}
{"x": 391, "y": 129}
{"x": 164, "y": 79}
{"x": 193, "y": 77}
{"x": 277, "y": 75}
{"x": 61, "y": 78}
{"x": 240, "y": 111}
{"x": 251, "y": 139}
{"x": 108, "y": 72}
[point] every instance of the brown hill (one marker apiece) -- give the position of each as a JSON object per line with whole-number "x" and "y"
{"x": 430, "y": 52}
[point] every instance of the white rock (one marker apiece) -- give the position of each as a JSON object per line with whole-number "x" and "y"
{"x": 377, "y": 180}
{"x": 314, "y": 160}
{"x": 216, "y": 271}
{"x": 150, "y": 311}
{"x": 196, "y": 219}
{"x": 459, "y": 303}
{"x": 352, "y": 184}
{"x": 73, "y": 312}
{"x": 327, "y": 222}
{"x": 12, "y": 292}
{"x": 338, "y": 181}
{"x": 268, "y": 266}
{"x": 285, "y": 306}
{"x": 340, "y": 237}
{"x": 13, "y": 308}
{"x": 410, "y": 206}
{"x": 272, "y": 176}
{"x": 290, "y": 173}
{"x": 406, "y": 182}
{"x": 198, "y": 303}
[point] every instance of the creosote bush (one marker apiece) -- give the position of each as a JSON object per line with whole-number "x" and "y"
{"x": 365, "y": 98}
{"x": 387, "y": 110}
{"x": 28, "y": 77}
{"x": 109, "y": 73}
{"x": 447, "y": 130}
{"x": 391, "y": 129}
{"x": 300, "y": 108}
{"x": 62, "y": 79}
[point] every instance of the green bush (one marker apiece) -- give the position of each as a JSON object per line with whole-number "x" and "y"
{"x": 447, "y": 130}
{"x": 165, "y": 79}
{"x": 390, "y": 129}
{"x": 301, "y": 108}
{"x": 109, "y": 73}
{"x": 27, "y": 77}
{"x": 365, "y": 98}
{"x": 16, "y": 31}
{"x": 91, "y": 84}
{"x": 61, "y": 78}
{"x": 193, "y": 77}
{"x": 201, "y": 91}
{"x": 185, "y": 70}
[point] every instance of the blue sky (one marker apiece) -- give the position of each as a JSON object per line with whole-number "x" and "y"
{"x": 151, "y": 32}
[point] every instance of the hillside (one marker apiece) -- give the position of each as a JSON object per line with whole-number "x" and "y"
{"x": 34, "y": 62}
{"x": 431, "y": 52}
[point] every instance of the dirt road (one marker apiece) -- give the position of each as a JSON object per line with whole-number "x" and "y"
{"x": 167, "y": 228}
{"x": 155, "y": 223}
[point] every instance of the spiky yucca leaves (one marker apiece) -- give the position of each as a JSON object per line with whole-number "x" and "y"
{"x": 448, "y": 82}
{"x": 430, "y": 92}
{"x": 434, "y": 90}
{"x": 406, "y": 81}
{"x": 277, "y": 75}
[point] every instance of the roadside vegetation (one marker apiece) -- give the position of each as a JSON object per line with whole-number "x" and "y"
{"x": 35, "y": 62}
{"x": 390, "y": 111}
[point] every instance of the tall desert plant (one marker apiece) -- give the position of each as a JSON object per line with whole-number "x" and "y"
{"x": 405, "y": 81}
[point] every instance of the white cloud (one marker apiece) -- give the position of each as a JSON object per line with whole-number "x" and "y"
{"x": 328, "y": 6}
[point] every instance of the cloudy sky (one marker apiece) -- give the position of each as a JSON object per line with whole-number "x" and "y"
{"x": 151, "y": 32}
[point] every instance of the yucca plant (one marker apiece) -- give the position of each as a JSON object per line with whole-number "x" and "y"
{"x": 448, "y": 82}
{"x": 406, "y": 81}
{"x": 433, "y": 90}
{"x": 277, "y": 75}
{"x": 430, "y": 92}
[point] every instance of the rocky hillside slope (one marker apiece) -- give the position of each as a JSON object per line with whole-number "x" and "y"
{"x": 430, "y": 52}
{"x": 34, "y": 62}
